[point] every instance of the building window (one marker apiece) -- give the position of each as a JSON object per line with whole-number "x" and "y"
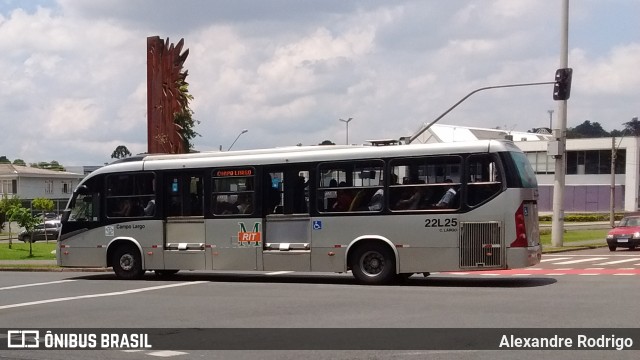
{"x": 66, "y": 187}
{"x": 48, "y": 187}
{"x": 7, "y": 186}
{"x": 541, "y": 162}
{"x": 593, "y": 162}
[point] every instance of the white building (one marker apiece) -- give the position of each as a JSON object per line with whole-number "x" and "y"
{"x": 588, "y": 164}
{"x": 28, "y": 183}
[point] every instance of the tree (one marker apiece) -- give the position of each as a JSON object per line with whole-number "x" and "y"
{"x": 11, "y": 217}
{"x": 53, "y": 165}
{"x": 587, "y": 130}
{"x": 19, "y": 162}
{"x": 120, "y": 152}
{"x": 43, "y": 205}
{"x": 27, "y": 221}
{"x": 183, "y": 120}
{"x": 4, "y": 160}
{"x": 632, "y": 127}
{"x": 327, "y": 142}
{"x": 6, "y": 205}
{"x": 185, "y": 123}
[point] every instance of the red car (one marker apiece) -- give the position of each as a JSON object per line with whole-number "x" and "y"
{"x": 626, "y": 234}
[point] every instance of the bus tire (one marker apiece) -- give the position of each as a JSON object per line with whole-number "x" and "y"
{"x": 374, "y": 264}
{"x": 127, "y": 262}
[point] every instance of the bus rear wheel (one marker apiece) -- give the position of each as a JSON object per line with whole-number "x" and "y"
{"x": 127, "y": 263}
{"x": 374, "y": 264}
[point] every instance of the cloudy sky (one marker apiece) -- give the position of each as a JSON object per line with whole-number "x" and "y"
{"x": 73, "y": 72}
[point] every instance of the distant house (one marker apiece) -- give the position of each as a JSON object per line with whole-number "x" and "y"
{"x": 29, "y": 183}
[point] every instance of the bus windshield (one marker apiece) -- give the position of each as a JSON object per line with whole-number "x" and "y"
{"x": 525, "y": 171}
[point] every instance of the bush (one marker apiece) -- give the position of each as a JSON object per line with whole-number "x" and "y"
{"x": 582, "y": 217}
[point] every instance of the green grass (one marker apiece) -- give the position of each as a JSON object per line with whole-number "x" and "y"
{"x": 576, "y": 236}
{"x": 20, "y": 251}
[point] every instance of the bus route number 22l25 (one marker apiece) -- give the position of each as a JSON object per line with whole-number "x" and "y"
{"x": 441, "y": 222}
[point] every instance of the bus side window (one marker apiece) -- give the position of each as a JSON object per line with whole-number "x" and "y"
{"x": 484, "y": 179}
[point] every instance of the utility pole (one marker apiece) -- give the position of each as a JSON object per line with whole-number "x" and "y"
{"x": 557, "y": 226}
{"x": 612, "y": 198}
{"x": 347, "y": 122}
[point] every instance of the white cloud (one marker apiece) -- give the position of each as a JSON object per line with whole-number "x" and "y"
{"x": 287, "y": 70}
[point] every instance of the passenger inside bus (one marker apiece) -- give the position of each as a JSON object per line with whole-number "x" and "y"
{"x": 124, "y": 208}
{"x": 150, "y": 209}
{"x": 413, "y": 198}
{"x": 243, "y": 204}
{"x": 377, "y": 200}
{"x": 447, "y": 200}
{"x": 343, "y": 199}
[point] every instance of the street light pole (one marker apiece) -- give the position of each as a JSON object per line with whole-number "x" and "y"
{"x": 234, "y": 141}
{"x": 550, "y": 120}
{"x": 347, "y": 122}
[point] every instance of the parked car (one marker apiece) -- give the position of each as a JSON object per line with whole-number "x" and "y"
{"x": 52, "y": 228}
{"x": 626, "y": 234}
{"x": 48, "y": 216}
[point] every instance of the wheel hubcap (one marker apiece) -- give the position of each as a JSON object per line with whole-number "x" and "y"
{"x": 372, "y": 263}
{"x": 126, "y": 262}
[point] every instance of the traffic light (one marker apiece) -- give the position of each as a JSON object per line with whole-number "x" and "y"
{"x": 562, "y": 87}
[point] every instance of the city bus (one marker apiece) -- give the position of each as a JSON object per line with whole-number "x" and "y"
{"x": 383, "y": 213}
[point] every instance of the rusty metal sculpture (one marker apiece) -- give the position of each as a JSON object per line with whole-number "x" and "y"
{"x": 166, "y": 95}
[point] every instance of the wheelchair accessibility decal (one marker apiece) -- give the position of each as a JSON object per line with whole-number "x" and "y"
{"x": 317, "y": 225}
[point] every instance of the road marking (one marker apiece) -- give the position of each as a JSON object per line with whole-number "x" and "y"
{"x": 279, "y": 272}
{"x": 35, "y": 284}
{"x": 618, "y": 261}
{"x": 588, "y": 274}
{"x": 579, "y": 261}
{"x": 594, "y": 269}
{"x": 554, "y": 259}
{"x": 91, "y": 296}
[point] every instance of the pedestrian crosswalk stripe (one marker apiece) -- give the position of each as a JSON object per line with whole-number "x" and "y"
{"x": 618, "y": 261}
{"x": 579, "y": 261}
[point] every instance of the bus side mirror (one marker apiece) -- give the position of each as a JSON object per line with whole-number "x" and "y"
{"x": 82, "y": 190}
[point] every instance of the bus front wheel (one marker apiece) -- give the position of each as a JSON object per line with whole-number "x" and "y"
{"x": 374, "y": 264}
{"x": 127, "y": 263}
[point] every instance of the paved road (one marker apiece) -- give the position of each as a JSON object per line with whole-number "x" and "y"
{"x": 263, "y": 300}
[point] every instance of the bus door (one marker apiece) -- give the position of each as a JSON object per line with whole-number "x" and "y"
{"x": 235, "y": 230}
{"x": 184, "y": 236}
{"x": 287, "y": 224}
